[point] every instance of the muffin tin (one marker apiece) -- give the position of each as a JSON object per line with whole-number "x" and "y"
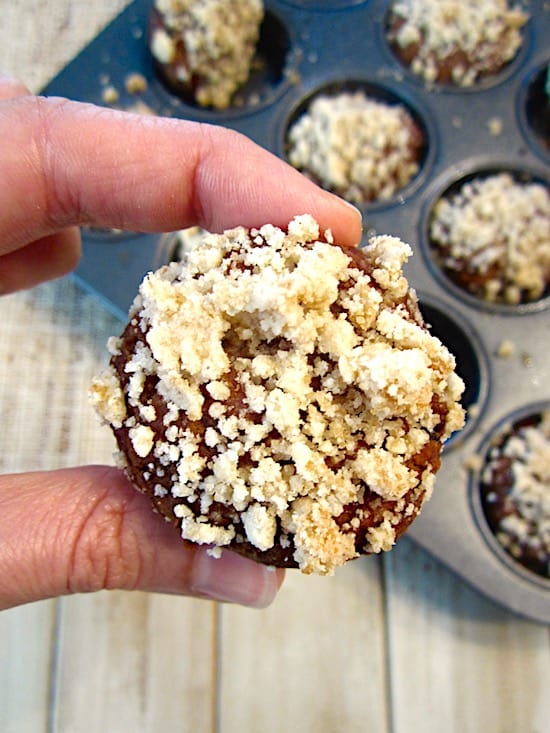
{"x": 502, "y": 351}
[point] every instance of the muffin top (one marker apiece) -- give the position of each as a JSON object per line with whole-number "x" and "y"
{"x": 358, "y": 147}
{"x": 209, "y": 45}
{"x": 492, "y": 236}
{"x": 456, "y": 41}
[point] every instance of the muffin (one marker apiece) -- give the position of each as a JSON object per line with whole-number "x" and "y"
{"x": 491, "y": 238}
{"x": 515, "y": 491}
{"x": 203, "y": 49}
{"x": 455, "y": 42}
{"x": 280, "y": 396}
{"x": 357, "y": 147}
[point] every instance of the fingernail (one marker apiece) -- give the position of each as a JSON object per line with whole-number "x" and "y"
{"x": 351, "y": 206}
{"x": 232, "y": 578}
{"x": 11, "y": 87}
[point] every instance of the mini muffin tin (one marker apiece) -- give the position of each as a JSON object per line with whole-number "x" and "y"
{"x": 502, "y": 351}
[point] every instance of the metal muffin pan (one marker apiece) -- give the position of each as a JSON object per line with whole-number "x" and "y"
{"x": 308, "y": 47}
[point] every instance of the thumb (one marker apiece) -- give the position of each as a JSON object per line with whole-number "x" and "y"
{"x": 86, "y": 529}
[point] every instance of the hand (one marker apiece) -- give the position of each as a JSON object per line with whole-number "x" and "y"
{"x": 66, "y": 164}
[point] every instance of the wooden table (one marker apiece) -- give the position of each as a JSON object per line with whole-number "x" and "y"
{"x": 393, "y": 644}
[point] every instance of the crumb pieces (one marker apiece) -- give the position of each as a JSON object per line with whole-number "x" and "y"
{"x": 473, "y": 411}
{"x": 110, "y": 95}
{"x": 356, "y": 146}
{"x": 135, "y": 83}
{"x": 527, "y": 360}
{"x": 340, "y": 387}
{"x": 139, "y": 107}
{"x": 473, "y": 463}
{"x": 495, "y": 126}
{"x": 505, "y": 349}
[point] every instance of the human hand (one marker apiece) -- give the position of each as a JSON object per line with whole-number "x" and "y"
{"x": 66, "y": 164}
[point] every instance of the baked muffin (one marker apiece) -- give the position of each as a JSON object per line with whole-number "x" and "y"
{"x": 360, "y": 148}
{"x": 455, "y": 42}
{"x": 280, "y": 396}
{"x": 515, "y": 491}
{"x": 203, "y": 49}
{"x": 491, "y": 238}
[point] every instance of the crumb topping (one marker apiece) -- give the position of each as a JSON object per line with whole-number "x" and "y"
{"x": 524, "y": 525}
{"x": 495, "y": 232}
{"x": 473, "y": 38}
{"x": 218, "y": 40}
{"x": 286, "y": 383}
{"x": 355, "y": 146}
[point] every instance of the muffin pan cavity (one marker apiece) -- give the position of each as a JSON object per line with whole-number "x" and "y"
{"x": 535, "y": 108}
{"x": 468, "y": 46}
{"x": 271, "y": 68}
{"x": 471, "y": 361}
{"x": 487, "y": 235}
{"x": 510, "y": 491}
{"x": 359, "y": 140}
{"x": 494, "y": 126}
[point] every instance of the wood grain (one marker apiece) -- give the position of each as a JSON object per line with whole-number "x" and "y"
{"x": 316, "y": 657}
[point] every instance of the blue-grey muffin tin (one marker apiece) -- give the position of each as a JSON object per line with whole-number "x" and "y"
{"x": 310, "y": 47}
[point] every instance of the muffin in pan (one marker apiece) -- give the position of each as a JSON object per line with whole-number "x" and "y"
{"x": 457, "y": 42}
{"x": 280, "y": 396}
{"x": 490, "y": 236}
{"x": 204, "y": 49}
{"x": 356, "y": 146}
{"x": 515, "y": 492}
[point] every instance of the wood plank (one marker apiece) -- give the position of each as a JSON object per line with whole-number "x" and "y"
{"x": 40, "y": 38}
{"x": 26, "y": 636}
{"x": 135, "y": 662}
{"x": 459, "y": 663}
{"x": 314, "y": 661}
{"x": 61, "y": 335}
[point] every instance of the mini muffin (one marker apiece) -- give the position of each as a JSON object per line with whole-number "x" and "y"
{"x": 280, "y": 396}
{"x": 360, "y": 148}
{"x": 491, "y": 238}
{"x": 455, "y": 42}
{"x": 204, "y": 49}
{"x": 515, "y": 491}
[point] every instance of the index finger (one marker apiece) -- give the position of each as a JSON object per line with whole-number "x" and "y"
{"x": 67, "y": 163}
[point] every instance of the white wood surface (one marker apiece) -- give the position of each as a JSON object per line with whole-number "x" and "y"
{"x": 389, "y": 645}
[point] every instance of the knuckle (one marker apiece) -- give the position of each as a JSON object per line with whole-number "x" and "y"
{"x": 105, "y": 551}
{"x": 60, "y": 202}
